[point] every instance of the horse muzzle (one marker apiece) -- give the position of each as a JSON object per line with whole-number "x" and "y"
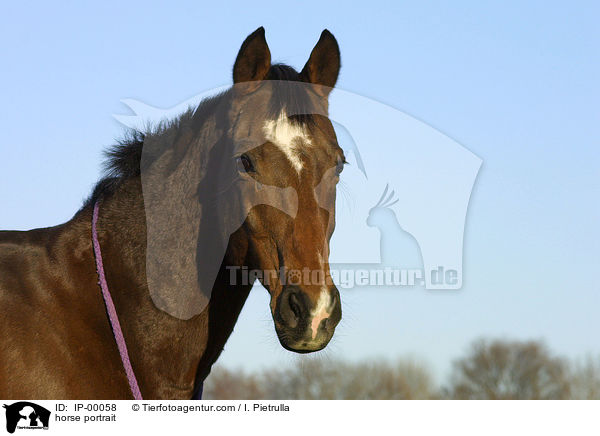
{"x": 306, "y": 323}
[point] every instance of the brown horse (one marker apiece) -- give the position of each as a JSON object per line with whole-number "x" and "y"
{"x": 255, "y": 169}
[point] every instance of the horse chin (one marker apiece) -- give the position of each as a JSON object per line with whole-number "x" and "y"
{"x": 303, "y": 349}
{"x": 302, "y": 346}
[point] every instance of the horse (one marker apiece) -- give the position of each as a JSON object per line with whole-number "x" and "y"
{"x": 245, "y": 181}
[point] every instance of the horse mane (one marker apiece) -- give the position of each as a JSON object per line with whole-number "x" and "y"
{"x": 122, "y": 160}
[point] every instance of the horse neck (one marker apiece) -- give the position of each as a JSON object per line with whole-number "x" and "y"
{"x": 169, "y": 355}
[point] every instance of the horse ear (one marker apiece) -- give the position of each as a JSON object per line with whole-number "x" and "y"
{"x": 323, "y": 66}
{"x": 254, "y": 58}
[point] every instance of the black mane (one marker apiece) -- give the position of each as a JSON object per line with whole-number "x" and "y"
{"x": 123, "y": 158}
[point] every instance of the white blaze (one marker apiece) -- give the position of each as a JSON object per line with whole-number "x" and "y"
{"x": 287, "y": 136}
{"x": 320, "y": 312}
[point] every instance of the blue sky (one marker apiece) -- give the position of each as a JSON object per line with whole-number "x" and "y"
{"x": 516, "y": 83}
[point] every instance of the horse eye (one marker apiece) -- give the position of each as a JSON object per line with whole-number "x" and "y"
{"x": 244, "y": 163}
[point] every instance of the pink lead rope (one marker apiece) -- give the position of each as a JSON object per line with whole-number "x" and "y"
{"x": 112, "y": 313}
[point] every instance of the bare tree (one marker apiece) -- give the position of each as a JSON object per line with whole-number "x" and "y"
{"x": 312, "y": 379}
{"x": 492, "y": 369}
{"x": 224, "y": 384}
{"x": 585, "y": 379}
{"x": 509, "y": 370}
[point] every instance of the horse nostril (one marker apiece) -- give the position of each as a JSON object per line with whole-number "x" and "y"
{"x": 294, "y": 303}
{"x": 292, "y": 308}
{"x": 333, "y": 299}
